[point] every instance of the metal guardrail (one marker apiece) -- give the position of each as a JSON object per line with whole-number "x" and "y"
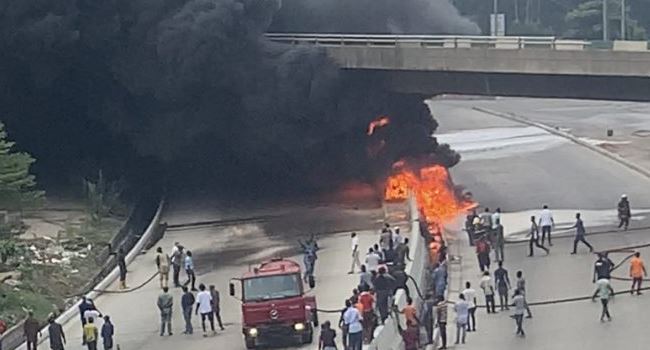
{"x": 430, "y": 41}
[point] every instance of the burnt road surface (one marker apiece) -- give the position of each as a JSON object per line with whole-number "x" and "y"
{"x": 519, "y": 168}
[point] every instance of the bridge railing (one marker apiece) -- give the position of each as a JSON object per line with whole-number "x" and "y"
{"x": 430, "y": 41}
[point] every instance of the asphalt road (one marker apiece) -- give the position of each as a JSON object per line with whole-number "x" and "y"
{"x": 518, "y": 170}
{"x": 225, "y": 251}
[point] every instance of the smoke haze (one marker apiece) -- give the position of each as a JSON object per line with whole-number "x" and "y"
{"x": 192, "y": 87}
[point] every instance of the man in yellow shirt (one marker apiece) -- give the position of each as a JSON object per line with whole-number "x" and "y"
{"x": 637, "y": 272}
{"x": 90, "y": 334}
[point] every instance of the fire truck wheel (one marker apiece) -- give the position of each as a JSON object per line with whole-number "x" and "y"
{"x": 250, "y": 343}
{"x": 308, "y": 336}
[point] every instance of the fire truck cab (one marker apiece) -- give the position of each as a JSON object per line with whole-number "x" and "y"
{"x": 274, "y": 304}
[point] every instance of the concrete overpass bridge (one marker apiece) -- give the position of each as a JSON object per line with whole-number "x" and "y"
{"x": 513, "y": 66}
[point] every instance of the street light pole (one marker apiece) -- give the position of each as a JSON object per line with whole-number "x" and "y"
{"x": 605, "y": 34}
{"x": 623, "y": 20}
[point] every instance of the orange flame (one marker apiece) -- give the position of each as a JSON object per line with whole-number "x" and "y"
{"x": 377, "y": 123}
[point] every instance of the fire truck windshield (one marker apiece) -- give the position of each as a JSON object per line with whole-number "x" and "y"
{"x": 272, "y": 287}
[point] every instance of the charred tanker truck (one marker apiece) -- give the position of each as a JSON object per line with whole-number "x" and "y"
{"x": 274, "y": 305}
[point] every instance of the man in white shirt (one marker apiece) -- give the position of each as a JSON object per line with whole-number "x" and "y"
{"x": 397, "y": 238}
{"x": 204, "y": 307}
{"x": 488, "y": 288}
{"x": 496, "y": 219}
{"x": 372, "y": 260}
{"x": 352, "y": 319}
{"x": 546, "y": 222}
{"x": 470, "y": 297}
{"x": 462, "y": 316}
{"x": 355, "y": 253}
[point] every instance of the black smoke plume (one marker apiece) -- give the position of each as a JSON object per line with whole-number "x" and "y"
{"x": 192, "y": 88}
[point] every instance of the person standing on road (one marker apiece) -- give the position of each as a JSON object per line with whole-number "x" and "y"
{"x": 428, "y": 315}
{"x": 602, "y": 267}
{"x": 500, "y": 243}
{"x": 107, "y": 333}
{"x": 441, "y": 319}
{"x": 187, "y": 302}
{"x": 410, "y": 335}
{"x": 372, "y": 260}
{"x": 56, "y": 334}
{"x": 31, "y": 330}
{"x": 204, "y": 307}
{"x": 189, "y": 271}
{"x": 580, "y": 235}
{"x": 165, "y": 305}
{"x": 503, "y": 285}
{"x": 90, "y": 334}
{"x": 637, "y": 272}
{"x": 624, "y": 212}
{"x": 402, "y": 253}
{"x": 469, "y": 295}
{"x": 605, "y": 291}
{"x": 216, "y": 305}
{"x": 462, "y": 314}
{"x": 355, "y": 253}
{"x": 519, "y": 303}
{"x": 327, "y": 337}
{"x": 488, "y": 289}
{"x": 177, "y": 262}
{"x": 120, "y": 257}
{"x": 365, "y": 279}
{"x": 384, "y": 287}
{"x": 483, "y": 253}
{"x": 367, "y": 302}
{"x": 547, "y": 223}
{"x": 162, "y": 263}
{"x": 352, "y": 321}
{"x": 534, "y": 238}
{"x": 521, "y": 287}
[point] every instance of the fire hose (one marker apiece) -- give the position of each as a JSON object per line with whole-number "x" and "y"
{"x": 119, "y": 291}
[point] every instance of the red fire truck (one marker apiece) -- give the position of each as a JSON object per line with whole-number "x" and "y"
{"x": 274, "y": 305}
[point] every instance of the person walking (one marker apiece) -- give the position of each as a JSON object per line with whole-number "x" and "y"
{"x": 428, "y": 315}
{"x": 177, "y": 262}
{"x": 483, "y": 253}
{"x": 120, "y": 257}
{"x": 84, "y": 306}
{"x": 352, "y": 321}
{"x": 356, "y": 262}
{"x": 624, "y": 212}
{"x": 637, "y": 272}
{"x": 187, "y": 302}
{"x": 326, "y": 340}
{"x": 519, "y": 303}
{"x": 441, "y": 320}
{"x": 165, "y": 305}
{"x": 108, "y": 331}
{"x": 204, "y": 307}
{"x": 56, "y": 334}
{"x": 410, "y": 335}
{"x": 90, "y": 334}
{"x": 487, "y": 286}
{"x": 189, "y": 271}
{"x": 503, "y": 285}
{"x": 605, "y": 291}
{"x": 365, "y": 279}
{"x": 534, "y": 238}
{"x": 521, "y": 287}
{"x": 402, "y": 253}
{"x": 602, "y": 267}
{"x": 31, "y": 331}
{"x": 469, "y": 295}
{"x": 547, "y": 223}
{"x": 580, "y": 235}
{"x": 462, "y": 314}
{"x": 162, "y": 263}
{"x": 216, "y": 305}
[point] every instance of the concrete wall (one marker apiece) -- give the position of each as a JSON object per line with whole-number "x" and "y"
{"x": 388, "y": 337}
{"x": 489, "y": 60}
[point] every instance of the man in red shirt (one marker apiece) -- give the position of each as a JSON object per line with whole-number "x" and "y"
{"x": 367, "y": 301}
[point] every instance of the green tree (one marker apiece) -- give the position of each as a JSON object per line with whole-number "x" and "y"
{"x": 102, "y": 196}
{"x": 17, "y": 186}
{"x": 585, "y": 21}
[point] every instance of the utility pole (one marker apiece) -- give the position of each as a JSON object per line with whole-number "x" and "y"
{"x": 493, "y": 21}
{"x": 605, "y": 33}
{"x": 623, "y": 20}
